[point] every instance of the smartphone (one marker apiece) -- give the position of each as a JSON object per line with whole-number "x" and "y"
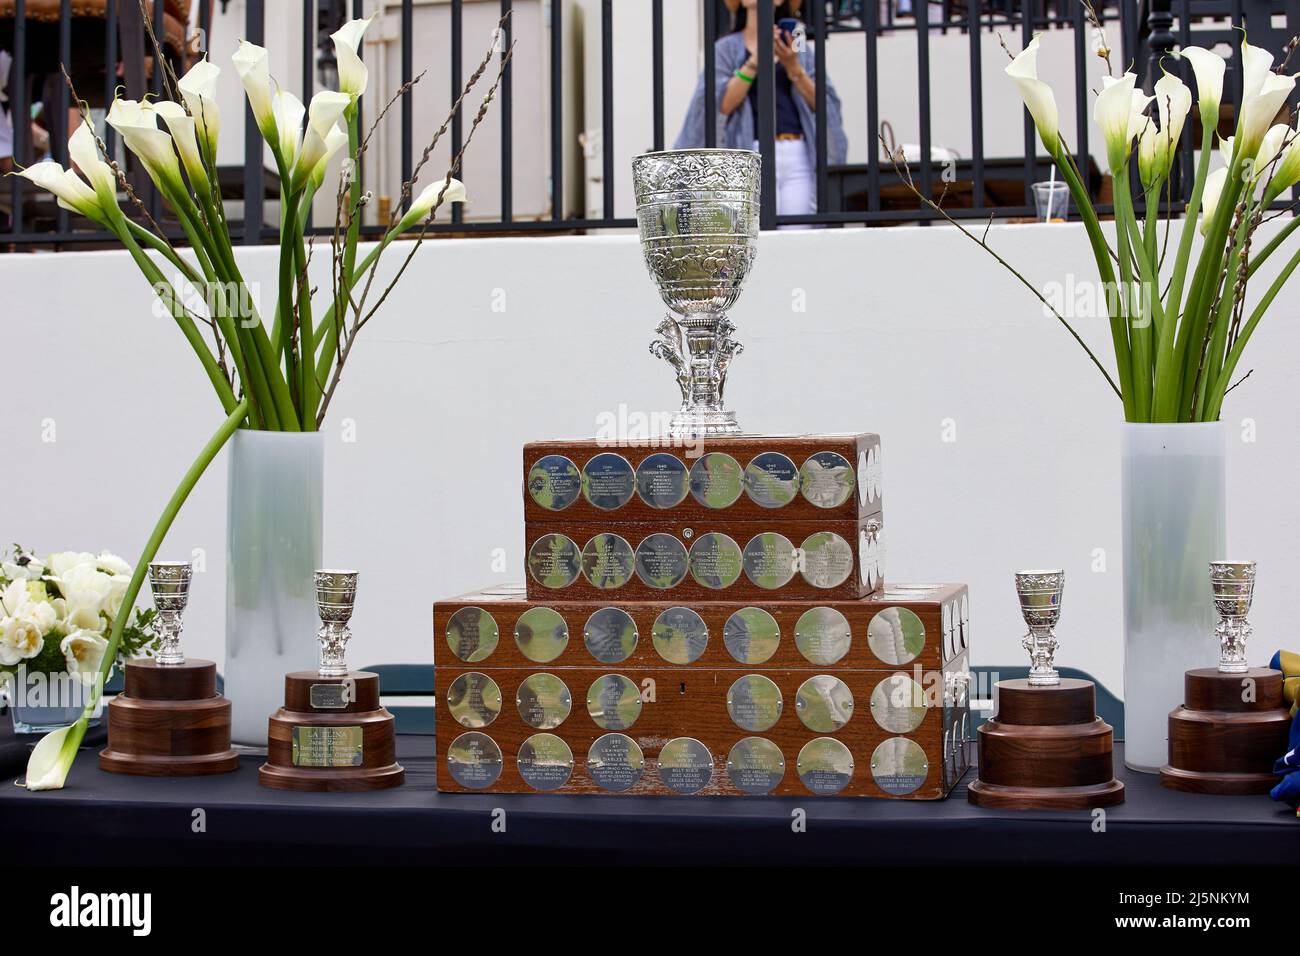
{"x": 787, "y": 26}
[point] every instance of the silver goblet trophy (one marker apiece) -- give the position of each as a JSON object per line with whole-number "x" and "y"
{"x": 336, "y": 594}
{"x": 697, "y": 212}
{"x": 1040, "y": 605}
{"x": 1234, "y": 589}
{"x": 169, "y": 581}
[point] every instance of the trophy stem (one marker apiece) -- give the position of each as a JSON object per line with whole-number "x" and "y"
{"x": 168, "y": 627}
{"x": 1041, "y": 644}
{"x": 704, "y": 349}
{"x": 333, "y": 639}
{"x": 1233, "y": 633}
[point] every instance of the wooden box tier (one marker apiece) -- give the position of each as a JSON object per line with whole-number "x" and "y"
{"x": 922, "y": 626}
{"x": 169, "y": 721}
{"x": 755, "y": 477}
{"x": 331, "y": 734}
{"x": 716, "y": 559}
{"x": 1228, "y": 733}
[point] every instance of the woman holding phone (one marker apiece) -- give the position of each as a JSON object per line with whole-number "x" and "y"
{"x": 795, "y": 95}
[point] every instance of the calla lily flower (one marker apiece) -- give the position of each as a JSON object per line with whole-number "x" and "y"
{"x": 1117, "y": 113}
{"x": 47, "y": 767}
{"x": 335, "y": 140}
{"x": 69, "y": 188}
{"x": 1263, "y": 94}
{"x": 1214, "y": 183}
{"x": 322, "y": 115}
{"x": 198, "y": 88}
{"x": 1269, "y": 148}
{"x": 137, "y": 123}
{"x": 84, "y": 152}
{"x": 1173, "y": 103}
{"x": 423, "y": 204}
{"x": 1287, "y": 173}
{"x": 1038, "y": 96}
{"x": 289, "y": 112}
{"x": 252, "y": 63}
{"x": 1208, "y": 68}
{"x": 184, "y": 134}
{"x": 352, "y": 71}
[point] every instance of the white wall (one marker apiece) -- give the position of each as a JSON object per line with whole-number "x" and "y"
{"x": 904, "y": 329}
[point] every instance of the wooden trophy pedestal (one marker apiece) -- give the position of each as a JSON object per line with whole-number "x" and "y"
{"x": 331, "y": 734}
{"x": 1220, "y": 743}
{"x": 1046, "y": 749}
{"x": 169, "y": 722}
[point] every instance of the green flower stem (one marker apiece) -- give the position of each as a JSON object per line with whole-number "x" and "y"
{"x": 1259, "y": 258}
{"x": 327, "y": 329}
{"x": 308, "y": 389}
{"x": 1140, "y": 357}
{"x": 354, "y": 198}
{"x": 1193, "y": 211}
{"x": 165, "y": 249}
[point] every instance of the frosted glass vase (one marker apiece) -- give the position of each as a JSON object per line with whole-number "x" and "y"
{"x": 1174, "y": 521}
{"x": 273, "y": 547}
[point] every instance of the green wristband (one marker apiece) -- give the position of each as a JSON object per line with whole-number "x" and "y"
{"x": 742, "y": 76}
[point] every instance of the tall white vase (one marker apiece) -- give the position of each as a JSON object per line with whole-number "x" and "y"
{"x": 273, "y": 546}
{"x": 1174, "y": 525}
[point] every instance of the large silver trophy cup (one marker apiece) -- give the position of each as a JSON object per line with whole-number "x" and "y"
{"x": 1040, "y": 606}
{"x": 697, "y": 211}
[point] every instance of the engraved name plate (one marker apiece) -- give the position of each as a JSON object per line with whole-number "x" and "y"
{"x": 717, "y": 480}
{"x": 662, "y": 480}
{"x": 825, "y": 766}
{"x": 661, "y": 561}
{"x": 541, "y": 634}
{"x": 554, "y": 561}
{"x": 899, "y": 765}
{"x": 472, "y": 634}
{"x": 898, "y": 704}
{"x": 554, "y": 482}
{"x": 754, "y": 703}
{"x": 545, "y": 762}
{"x": 751, "y": 635}
{"x": 769, "y": 560}
{"x": 615, "y": 762}
{"x": 685, "y": 765}
{"x": 474, "y": 760}
{"x": 715, "y": 561}
{"x": 824, "y": 703}
{"x": 828, "y": 559}
{"x": 330, "y": 696}
{"x": 680, "y": 635}
{"x": 613, "y": 702}
{"x": 771, "y": 480}
{"x": 610, "y": 635}
{"x": 607, "y": 481}
{"x": 474, "y": 699}
{"x": 896, "y": 635}
{"x": 326, "y": 746}
{"x": 826, "y": 479}
{"x": 607, "y": 561}
{"x": 543, "y": 701}
{"x": 823, "y": 635}
{"x": 755, "y": 765}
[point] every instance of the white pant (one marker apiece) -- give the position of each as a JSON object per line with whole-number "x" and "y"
{"x": 796, "y": 180}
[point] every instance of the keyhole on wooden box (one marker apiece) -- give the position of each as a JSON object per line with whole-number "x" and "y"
{"x": 682, "y": 686}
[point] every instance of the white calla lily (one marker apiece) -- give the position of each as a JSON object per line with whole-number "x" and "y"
{"x": 1115, "y": 112}
{"x": 185, "y": 135}
{"x": 423, "y": 204}
{"x": 335, "y": 140}
{"x": 1214, "y": 184}
{"x": 289, "y": 112}
{"x": 47, "y": 767}
{"x": 1038, "y": 96}
{"x": 252, "y": 63}
{"x": 1208, "y": 68}
{"x": 352, "y": 71}
{"x": 1287, "y": 173}
{"x": 1173, "y": 103}
{"x": 322, "y": 115}
{"x": 1263, "y": 93}
{"x": 66, "y": 186}
{"x": 84, "y": 152}
{"x": 156, "y": 150}
{"x": 198, "y": 87}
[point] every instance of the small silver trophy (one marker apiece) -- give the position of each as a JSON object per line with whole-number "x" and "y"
{"x": 697, "y": 213}
{"x": 1040, "y": 605}
{"x": 170, "y": 583}
{"x": 1234, "y": 588}
{"x": 336, "y": 593}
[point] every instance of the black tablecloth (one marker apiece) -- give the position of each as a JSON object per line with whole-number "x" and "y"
{"x": 111, "y": 818}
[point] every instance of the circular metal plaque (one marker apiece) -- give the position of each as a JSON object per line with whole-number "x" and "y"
{"x": 754, "y": 703}
{"x": 896, "y": 635}
{"x": 554, "y": 561}
{"x": 541, "y": 634}
{"x": 615, "y": 762}
{"x": 545, "y": 762}
{"x": 828, "y": 559}
{"x": 872, "y": 478}
{"x": 824, "y": 703}
{"x": 769, "y": 560}
{"x": 755, "y": 765}
{"x": 474, "y": 760}
{"x": 474, "y": 699}
{"x": 680, "y": 635}
{"x": 607, "y": 481}
{"x": 607, "y": 561}
{"x": 662, "y": 481}
{"x": 661, "y": 561}
{"x": 554, "y": 482}
{"x": 685, "y": 765}
{"x": 717, "y": 480}
{"x": 898, "y": 704}
{"x": 751, "y": 635}
{"x": 826, "y": 479}
{"x": 869, "y": 556}
{"x": 771, "y": 480}
{"x": 543, "y": 701}
{"x": 610, "y": 635}
{"x": 472, "y": 634}
{"x": 825, "y": 766}
{"x": 613, "y": 702}
{"x": 715, "y": 560}
{"x": 823, "y": 635}
{"x": 899, "y": 765}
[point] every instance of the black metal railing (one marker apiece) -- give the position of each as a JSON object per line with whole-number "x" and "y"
{"x": 862, "y": 193}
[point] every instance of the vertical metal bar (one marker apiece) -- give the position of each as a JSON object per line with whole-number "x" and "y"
{"x": 977, "y": 102}
{"x": 457, "y": 27}
{"x": 710, "y": 73}
{"x": 255, "y": 30}
{"x": 159, "y": 53}
{"x": 819, "y": 64}
{"x": 20, "y": 112}
{"x": 766, "y": 113}
{"x": 557, "y": 110}
{"x": 507, "y": 122}
{"x": 62, "y": 129}
{"x": 607, "y": 106}
{"x": 1081, "y": 93}
{"x": 871, "y": 35}
{"x": 1186, "y": 147}
{"x": 657, "y": 67}
{"x": 408, "y": 98}
{"x": 921, "y": 10}
{"x": 308, "y": 64}
{"x": 110, "y": 68}
{"x": 1235, "y": 76}
{"x": 1031, "y": 139}
{"x": 358, "y": 12}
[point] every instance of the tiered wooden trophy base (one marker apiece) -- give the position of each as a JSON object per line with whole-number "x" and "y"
{"x": 169, "y": 722}
{"x": 1046, "y": 749}
{"x": 331, "y": 734}
{"x": 1220, "y": 743}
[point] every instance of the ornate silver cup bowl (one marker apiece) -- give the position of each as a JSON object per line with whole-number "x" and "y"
{"x": 697, "y": 212}
{"x": 336, "y": 594}
{"x": 1233, "y": 583}
{"x": 170, "y": 583}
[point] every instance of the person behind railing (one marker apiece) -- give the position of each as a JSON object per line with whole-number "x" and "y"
{"x": 795, "y": 93}
{"x": 6, "y": 124}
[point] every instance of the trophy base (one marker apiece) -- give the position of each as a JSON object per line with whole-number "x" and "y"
{"x": 1222, "y": 744}
{"x": 696, "y": 423}
{"x": 331, "y": 735}
{"x": 1046, "y": 749}
{"x": 169, "y": 722}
